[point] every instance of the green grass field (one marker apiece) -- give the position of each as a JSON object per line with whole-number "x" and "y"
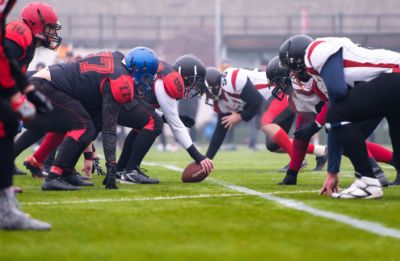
{"x": 203, "y": 221}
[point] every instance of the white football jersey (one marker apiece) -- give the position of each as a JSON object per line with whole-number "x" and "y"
{"x": 306, "y": 95}
{"x": 360, "y": 64}
{"x": 232, "y": 84}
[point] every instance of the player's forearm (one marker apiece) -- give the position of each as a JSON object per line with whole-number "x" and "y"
{"x": 217, "y": 139}
{"x": 335, "y": 152}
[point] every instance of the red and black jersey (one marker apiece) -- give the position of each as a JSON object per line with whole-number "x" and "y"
{"x": 172, "y": 81}
{"x": 85, "y": 79}
{"x": 20, "y": 43}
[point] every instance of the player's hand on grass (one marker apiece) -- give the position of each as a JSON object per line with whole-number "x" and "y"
{"x": 230, "y": 120}
{"x": 87, "y": 167}
{"x": 110, "y": 180}
{"x": 97, "y": 167}
{"x": 331, "y": 184}
{"x": 207, "y": 165}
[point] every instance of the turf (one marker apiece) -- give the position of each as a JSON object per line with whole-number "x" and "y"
{"x": 140, "y": 222}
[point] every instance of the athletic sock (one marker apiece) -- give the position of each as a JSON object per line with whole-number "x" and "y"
{"x": 50, "y": 142}
{"x": 140, "y": 146}
{"x": 282, "y": 139}
{"x": 380, "y": 153}
{"x": 298, "y": 154}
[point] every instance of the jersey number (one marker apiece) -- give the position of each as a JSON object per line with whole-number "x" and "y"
{"x": 105, "y": 66}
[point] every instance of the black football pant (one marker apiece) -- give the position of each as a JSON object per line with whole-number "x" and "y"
{"x": 9, "y": 124}
{"x": 69, "y": 117}
{"x": 368, "y": 100}
{"x": 146, "y": 125}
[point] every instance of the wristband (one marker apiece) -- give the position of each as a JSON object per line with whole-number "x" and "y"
{"x": 88, "y": 155}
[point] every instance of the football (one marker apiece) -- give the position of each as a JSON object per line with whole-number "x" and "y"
{"x": 193, "y": 173}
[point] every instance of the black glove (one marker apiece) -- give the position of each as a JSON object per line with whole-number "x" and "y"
{"x": 97, "y": 167}
{"x": 305, "y": 131}
{"x": 42, "y": 104}
{"x": 187, "y": 121}
{"x": 110, "y": 179}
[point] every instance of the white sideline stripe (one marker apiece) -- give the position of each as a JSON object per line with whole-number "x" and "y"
{"x": 133, "y": 199}
{"x": 369, "y": 226}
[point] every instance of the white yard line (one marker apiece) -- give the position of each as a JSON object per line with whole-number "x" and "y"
{"x": 369, "y": 226}
{"x": 133, "y": 199}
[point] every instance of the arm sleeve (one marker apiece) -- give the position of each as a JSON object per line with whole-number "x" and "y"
{"x": 169, "y": 108}
{"x": 321, "y": 117}
{"x": 217, "y": 137}
{"x": 253, "y": 100}
{"x": 333, "y": 75}
{"x": 110, "y": 118}
{"x": 13, "y": 52}
{"x": 335, "y": 152}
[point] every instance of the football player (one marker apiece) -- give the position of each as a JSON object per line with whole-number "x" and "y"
{"x": 279, "y": 117}
{"x": 182, "y": 80}
{"x": 14, "y": 92}
{"x": 361, "y": 85}
{"x": 87, "y": 97}
{"x": 236, "y": 95}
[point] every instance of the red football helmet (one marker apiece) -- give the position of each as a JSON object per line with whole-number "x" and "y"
{"x": 43, "y": 21}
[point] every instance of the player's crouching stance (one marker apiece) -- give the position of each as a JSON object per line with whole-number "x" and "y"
{"x": 185, "y": 79}
{"x": 81, "y": 92}
{"x": 236, "y": 94}
{"x": 336, "y": 64}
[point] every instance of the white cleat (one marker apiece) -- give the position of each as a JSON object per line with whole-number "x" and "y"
{"x": 363, "y": 188}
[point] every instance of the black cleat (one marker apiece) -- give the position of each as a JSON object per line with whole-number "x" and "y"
{"x": 290, "y": 178}
{"x": 320, "y": 162}
{"x": 75, "y": 180}
{"x": 57, "y": 184}
{"x": 137, "y": 177}
{"x": 33, "y": 167}
{"x": 19, "y": 172}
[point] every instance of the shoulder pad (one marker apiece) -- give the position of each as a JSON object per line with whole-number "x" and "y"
{"x": 318, "y": 53}
{"x": 18, "y": 32}
{"x": 122, "y": 89}
{"x": 173, "y": 84}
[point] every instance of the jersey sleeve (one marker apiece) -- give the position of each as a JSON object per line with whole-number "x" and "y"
{"x": 19, "y": 32}
{"x": 317, "y": 53}
{"x": 169, "y": 106}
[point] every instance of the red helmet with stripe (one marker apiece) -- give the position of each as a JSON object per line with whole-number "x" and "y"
{"x": 43, "y": 21}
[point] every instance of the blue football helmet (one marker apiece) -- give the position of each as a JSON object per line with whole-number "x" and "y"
{"x": 142, "y": 63}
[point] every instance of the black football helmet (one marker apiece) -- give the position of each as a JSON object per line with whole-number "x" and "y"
{"x": 291, "y": 55}
{"x": 278, "y": 78}
{"x": 213, "y": 84}
{"x": 193, "y": 72}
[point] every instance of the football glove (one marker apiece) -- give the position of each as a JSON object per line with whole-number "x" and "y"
{"x": 305, "y": 131}
{"x": 110, "y": 180}
{"x": 97, "y": 167}
{"x": 24, "y": 108}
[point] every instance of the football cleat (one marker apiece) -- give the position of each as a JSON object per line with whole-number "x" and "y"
{"x": 290, "y": 178}
{"x": 137, "y": 177}
{"x": 74, "y": 179}
{"x": 11, "y": 218}
{"x": 286, "y": 168}
{"x": 19, "y": 171}
{"x": 34, "y": 167}
{"x": 57, "y": 184}
{"x": 363, "y": 188}
{"x": 320, "y": 162}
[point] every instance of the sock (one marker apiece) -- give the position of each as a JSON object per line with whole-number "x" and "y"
{"x": 140, "y": 147}
{"x": 310, "y": 148}
{"x": 298, "y": 154}
{"x": 49, "y": 144}
{"x": 282, "y": 139}
{"x": 380, "y": 153}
